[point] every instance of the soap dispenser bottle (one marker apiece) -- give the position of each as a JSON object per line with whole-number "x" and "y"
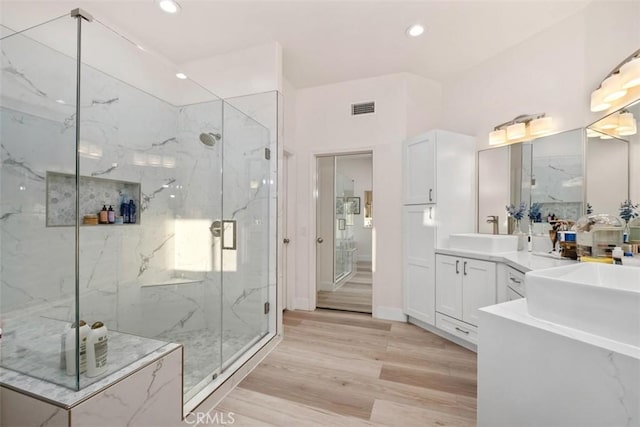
{"x": 111, "y": 215}
{"x": 103, "y": 217}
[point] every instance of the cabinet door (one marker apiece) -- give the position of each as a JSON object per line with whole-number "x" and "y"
{"x": 449, "y": 285}
{"x": 478, "y": 287}
{"x": 420, "y": 171}
{"x": 419, "y": 275}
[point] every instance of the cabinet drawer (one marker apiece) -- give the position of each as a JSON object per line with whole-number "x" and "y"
{"x": 515, "y": 280}
{"x": 456, "y": 327}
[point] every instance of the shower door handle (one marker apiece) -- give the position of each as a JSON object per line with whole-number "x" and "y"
{"x": 319, "y": 240}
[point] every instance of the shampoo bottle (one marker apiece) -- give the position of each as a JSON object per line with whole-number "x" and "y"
{"x": 124, "y": 210}
{"x": 132, "y": 212}
{"x": 111, "y": 215}
{"x": 97, "y": 350}
{"x": 70, "y": 348}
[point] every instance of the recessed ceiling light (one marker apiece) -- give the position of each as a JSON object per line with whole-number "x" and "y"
{"x": 181, "y": 76}
{"x": 415, "y": 30}
{"x": 169, "y": 6}
{"x": 60, "y": 101}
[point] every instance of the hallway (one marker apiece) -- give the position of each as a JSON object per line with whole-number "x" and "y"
{"x": 353, "y": 295}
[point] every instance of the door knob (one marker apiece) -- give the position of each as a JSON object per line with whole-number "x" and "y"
{"x": 319, "y": 240}
{"x": 286, "y": 240}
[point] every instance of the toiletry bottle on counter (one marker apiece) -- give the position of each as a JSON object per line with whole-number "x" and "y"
{"x": 111, "y": 215}
{"x": 617, "y": 255}
{"x": 103, "y": 216}
{"x": 70, "y": 348}
{"x": 97, "y": 350}
{"x": 132, "y": 212}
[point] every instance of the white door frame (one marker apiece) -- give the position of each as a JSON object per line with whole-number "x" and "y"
{"x": 313, "y": 170}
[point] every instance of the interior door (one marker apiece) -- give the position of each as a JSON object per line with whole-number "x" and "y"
{"x": 325, "y": 208}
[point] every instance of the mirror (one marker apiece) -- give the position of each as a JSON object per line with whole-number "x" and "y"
{"x": 368, "y": 209}
{"x": 547, "y": 171}
{"x": 608, "y": 152}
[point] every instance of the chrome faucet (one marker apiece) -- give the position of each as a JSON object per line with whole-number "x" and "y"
{"x": 494, "y": 219}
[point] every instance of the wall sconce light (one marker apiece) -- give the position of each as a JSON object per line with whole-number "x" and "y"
{"x": 622, "y": 78}
{"x": 618, "y": 124}
{"x": 522, "y": 128}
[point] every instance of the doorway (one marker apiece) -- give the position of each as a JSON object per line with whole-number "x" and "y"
{"x": 344, "y": 221}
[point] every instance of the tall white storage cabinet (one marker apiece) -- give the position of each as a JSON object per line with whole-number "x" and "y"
{"x": 439, "y": 199}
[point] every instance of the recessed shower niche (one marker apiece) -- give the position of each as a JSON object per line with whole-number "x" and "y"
{"x": 94, "y": 194}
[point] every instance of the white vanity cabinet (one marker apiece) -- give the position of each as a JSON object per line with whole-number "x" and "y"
{"x": 438, "y": 198}
{"x": 463, "y": 285}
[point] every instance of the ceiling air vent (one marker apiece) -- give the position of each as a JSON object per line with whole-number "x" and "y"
{"x": 363, "y": 108}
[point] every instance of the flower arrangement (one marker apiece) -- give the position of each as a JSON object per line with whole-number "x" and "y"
{"x": 534, "y": 212}
{"x": 516, "y": 213}
{"x": 628, "y": 210}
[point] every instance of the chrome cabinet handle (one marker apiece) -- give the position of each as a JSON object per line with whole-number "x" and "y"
{"x": 457, "y": 264}
{"x": 430, "y": 194}
{"x": 462, "y": 330}
{"x": 319, "y": 240}
{"x": 464, "y": 268}
{"x": 514, "y": 280}
{"x": 286, "y": 240}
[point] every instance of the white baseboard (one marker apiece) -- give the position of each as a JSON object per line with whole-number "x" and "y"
{"x": 301, "y": 304}
{"x": 389, "y": 313}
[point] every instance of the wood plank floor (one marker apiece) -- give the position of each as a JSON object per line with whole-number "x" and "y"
{"x": 346, "y": 369}
{"x": 353, "y": 295}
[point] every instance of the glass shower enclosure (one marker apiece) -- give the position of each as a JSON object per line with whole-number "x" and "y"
{"x": 92, "y": 122}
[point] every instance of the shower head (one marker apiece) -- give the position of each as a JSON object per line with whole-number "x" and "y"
{"x": 209, "y": 139}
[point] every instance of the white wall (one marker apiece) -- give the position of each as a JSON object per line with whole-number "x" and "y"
{"x": 241, "y": 72}
{"x": 324, "y": 125}
{"x": 359, "y": 169}
{"x": 553, "y": 72}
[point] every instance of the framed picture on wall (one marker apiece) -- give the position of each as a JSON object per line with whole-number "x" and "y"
{"x": 354, "y": 203}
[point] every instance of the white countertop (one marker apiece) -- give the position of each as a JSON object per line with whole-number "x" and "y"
{"x": 517, "y": 312}
{"x": 521, "y": 260}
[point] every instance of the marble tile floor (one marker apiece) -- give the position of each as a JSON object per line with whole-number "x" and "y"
{"x": 203, "y": 355}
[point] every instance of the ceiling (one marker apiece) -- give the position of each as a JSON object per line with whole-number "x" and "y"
{"x": 323, "y": 41}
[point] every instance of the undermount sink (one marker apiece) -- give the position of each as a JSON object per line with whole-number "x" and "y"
{"x": 601, "y": 299}
{"x": 487, "y": 243}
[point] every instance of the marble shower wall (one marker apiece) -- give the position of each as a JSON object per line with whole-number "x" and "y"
{"x": 127, "y": 135}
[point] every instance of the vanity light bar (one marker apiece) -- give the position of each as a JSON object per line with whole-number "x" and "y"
{"x": 615, "y": 86}
{"x": 521, "y": 128}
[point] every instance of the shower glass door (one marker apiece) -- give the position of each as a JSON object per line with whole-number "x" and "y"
{"x": 248, "y": 180}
